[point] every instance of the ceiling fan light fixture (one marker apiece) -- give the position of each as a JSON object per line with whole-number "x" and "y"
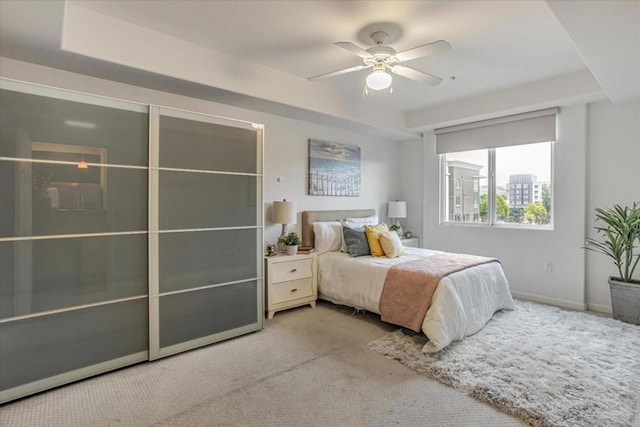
{"x": 379, "y": 79}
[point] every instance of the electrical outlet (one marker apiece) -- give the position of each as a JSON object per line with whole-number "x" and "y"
{"x": 548, "y": 267}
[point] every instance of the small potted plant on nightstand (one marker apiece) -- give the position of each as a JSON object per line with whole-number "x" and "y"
{"x": 620, "y": 229}
{"x": 291, "y": 241}
{"x": 398, "y": 229}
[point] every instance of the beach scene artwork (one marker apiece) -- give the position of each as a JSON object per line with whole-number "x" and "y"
{"x": 334, "y": 169}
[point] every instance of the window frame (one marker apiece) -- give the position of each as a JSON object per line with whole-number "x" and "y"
{"x": 491, "y": 195}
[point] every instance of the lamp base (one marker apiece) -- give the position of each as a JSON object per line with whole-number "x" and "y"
{"x": 399, "y": 230}
{"x": 281, "y": 246}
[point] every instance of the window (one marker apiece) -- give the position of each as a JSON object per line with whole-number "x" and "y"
{"x": 498, "y": 172}
{"x": 468, "y": 172}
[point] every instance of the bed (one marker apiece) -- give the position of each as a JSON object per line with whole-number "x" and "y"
{"x": 462, "y": 303}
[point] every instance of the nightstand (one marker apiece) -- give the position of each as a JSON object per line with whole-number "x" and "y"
{"x": 291, "y": 282}
{"x": 413, "y": 242}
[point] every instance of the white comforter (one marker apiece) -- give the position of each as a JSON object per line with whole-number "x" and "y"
{"x": 462, "y": 303}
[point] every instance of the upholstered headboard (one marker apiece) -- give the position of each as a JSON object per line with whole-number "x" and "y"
{"x": 309, "y": 217}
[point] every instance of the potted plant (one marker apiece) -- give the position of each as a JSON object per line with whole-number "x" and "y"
{"x": 397, "y": 228}
{"x": 291, "y": 241}
{"x": 620, "y": 230}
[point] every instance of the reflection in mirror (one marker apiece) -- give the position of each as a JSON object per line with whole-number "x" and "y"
{"x": 65, "y": 188}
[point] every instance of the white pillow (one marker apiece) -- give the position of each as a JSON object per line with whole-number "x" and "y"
{"x": 328, "y": 236}
{"x": 391, "y": 244}
{"x": 357, "y": 223}
{"x": 367, "y": 220}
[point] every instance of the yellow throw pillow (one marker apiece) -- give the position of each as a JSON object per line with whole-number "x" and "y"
{"x": 391, "y": 244}
{"x": 373, "y": 232}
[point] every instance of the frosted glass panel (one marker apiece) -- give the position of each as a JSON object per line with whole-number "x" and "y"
{"x": 41, "y": 347}
{"x": 201, "y": 200}
{"x": 218, "y": 186}
{"x": 193, "y": 259}
{"x": 42, "y": 275}
{"x": 191, "y": 315}
{"x": 36, "y": 126}
{"x": 190, "y": 144}
{"x": 48, "y": 199}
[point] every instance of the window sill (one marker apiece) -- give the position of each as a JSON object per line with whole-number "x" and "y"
{"x": 503, "y": 226}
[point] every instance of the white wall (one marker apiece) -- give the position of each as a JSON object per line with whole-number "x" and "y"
{"x": 613, "y": 177}
{"x": 286, "y": 143}
{"x": 286, "y": 151}
{"x": 412, "y": 185}
{"x": 523, "y": 252}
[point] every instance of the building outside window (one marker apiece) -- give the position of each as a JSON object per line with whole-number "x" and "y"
{"x": 463, "y": 187}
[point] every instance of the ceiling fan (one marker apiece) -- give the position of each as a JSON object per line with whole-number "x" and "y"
{"x": 383, "y": 59}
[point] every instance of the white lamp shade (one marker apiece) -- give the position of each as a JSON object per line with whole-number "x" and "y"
{"x": 379, "y": 79}
{"x": 284, "y": 212}
{"x": 397, "y": 209}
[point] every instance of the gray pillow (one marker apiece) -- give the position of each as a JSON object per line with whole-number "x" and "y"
{"x": 356, "y": 241}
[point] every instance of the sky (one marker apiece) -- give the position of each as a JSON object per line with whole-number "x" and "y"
{"x": 333, "y": 150}
{"x": 531, "y": 158}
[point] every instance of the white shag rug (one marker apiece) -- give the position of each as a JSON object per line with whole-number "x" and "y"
{"x": 544, "y": 365}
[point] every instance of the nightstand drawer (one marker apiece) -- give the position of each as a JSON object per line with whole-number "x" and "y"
{"x": 291, "y": 270}
{"x": 287, "y": 291}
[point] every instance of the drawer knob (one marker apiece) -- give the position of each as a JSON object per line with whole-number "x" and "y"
{"x": 293, "y": 270}
{"x": 294, "y": 289}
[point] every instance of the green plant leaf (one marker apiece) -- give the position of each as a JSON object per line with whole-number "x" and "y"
{"x": 619, "y": 229}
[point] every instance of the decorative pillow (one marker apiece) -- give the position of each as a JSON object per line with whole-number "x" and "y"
{"x": 391, "y": 244}
{"x": 373, "y": 232}
{"x": 355, "y": 223}
{"x": 328, "y": 236}
{"x": 356, "y": 240}
{"x": 367, "y": 220}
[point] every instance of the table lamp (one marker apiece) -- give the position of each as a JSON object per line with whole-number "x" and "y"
{"x": 284, "y": 213}
{"x": 397, "y": 210}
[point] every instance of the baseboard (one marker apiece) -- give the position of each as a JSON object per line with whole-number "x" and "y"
{"x": 551, "y": 301}
{"x": 600, "y": 308}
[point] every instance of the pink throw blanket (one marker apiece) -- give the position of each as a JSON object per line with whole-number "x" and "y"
{"x": 409, "y": 286}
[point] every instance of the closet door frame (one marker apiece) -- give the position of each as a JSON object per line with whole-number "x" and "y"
{"x": 155, "y": 112}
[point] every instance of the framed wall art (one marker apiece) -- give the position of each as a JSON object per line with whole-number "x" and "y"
{"x": 334, "y": 169}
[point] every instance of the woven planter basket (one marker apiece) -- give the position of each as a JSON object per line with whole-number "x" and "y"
{"x": 625, "y": 301}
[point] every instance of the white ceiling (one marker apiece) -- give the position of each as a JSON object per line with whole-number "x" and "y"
{"x": 498, "y": 47}
{"x": 495, "y": 44}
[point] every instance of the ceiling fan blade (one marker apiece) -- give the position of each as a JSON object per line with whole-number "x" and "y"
{"x": 424, "y": 50}
{"x": 337, "y": 73}
{"x": 419, "y": 76}
{"x": 354, "y": 49}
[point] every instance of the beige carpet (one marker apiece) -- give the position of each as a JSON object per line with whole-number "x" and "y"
{"x": 307, "y": 367}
